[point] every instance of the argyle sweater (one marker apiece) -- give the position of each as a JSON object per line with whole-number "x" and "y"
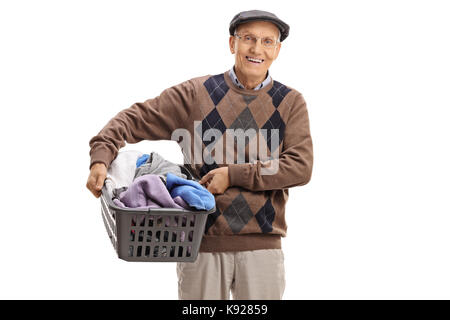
{"x": 250, "y": 214}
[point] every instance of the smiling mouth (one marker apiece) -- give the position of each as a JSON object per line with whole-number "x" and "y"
{"x": 254, "y": 60}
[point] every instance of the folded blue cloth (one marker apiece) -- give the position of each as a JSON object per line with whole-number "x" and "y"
{"x": 143, "y": 159}
{"x": 192, "y": 192}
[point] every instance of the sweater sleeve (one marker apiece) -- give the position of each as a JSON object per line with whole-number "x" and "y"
{"x": 294, "y": 163}
{"x": 154, "y": 119}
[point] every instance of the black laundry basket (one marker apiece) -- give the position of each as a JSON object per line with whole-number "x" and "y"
{"x": 152, "y": 235}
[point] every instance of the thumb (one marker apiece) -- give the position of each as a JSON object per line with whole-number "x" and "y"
{"x": 205, "y": 178}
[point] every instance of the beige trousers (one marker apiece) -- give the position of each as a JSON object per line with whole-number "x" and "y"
{"x": 249, "y": 275}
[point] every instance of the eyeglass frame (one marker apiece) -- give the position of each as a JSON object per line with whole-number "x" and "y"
{"x": 256, "y": 39}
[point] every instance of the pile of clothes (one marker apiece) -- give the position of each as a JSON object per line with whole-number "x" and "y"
{"x": 136, "y": 180}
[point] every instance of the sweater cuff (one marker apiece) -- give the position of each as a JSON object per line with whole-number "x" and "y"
{"x": 101, "y": 155}
{"x": 238, "y": 174}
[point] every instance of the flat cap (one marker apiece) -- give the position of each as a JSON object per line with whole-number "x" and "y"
{"x": 254, "y": 15}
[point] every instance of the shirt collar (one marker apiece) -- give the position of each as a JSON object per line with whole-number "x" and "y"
{"x": 238, "y": 84}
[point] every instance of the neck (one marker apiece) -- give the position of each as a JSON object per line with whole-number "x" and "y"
{"x": 249, "y": 82}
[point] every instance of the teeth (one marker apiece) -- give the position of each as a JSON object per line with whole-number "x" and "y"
{"x": 254, "y": 60}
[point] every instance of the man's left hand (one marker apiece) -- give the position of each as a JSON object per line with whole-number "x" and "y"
{"x": 217, "y": 180}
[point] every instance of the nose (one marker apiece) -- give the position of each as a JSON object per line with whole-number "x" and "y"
{"x": 256, "y": 47}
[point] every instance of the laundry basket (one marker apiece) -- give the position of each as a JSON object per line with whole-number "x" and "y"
{"x": 152, "y": 235}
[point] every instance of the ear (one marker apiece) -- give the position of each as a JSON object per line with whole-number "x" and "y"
{"x": 232, "y": 43}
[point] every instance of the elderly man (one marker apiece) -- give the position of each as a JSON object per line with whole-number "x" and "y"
{"x": 241, "y": 248}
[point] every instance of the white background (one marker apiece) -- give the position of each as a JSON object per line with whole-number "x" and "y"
{"x": 373, "y": 223}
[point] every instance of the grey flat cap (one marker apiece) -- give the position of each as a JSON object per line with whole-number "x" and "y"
{"x": 254, "y": 15}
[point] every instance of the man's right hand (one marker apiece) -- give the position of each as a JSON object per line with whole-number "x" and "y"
{"x": 96, "y": 178}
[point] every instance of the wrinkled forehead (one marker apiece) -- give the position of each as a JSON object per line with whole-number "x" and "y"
{"x": 259, "y": 28}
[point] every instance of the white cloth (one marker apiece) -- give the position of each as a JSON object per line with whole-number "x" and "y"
{"x": 121, "y": 171}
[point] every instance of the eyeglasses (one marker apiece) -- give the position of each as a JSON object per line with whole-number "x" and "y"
{"x": 249, "y": 39}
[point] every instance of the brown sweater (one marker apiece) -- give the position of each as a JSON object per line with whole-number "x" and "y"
{"x": 250, "y": 214}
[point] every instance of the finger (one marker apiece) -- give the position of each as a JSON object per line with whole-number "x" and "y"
{"x": 211, "y": 187}
{"x": 205, "y": 178}
{"x": 90, "y": 184}
{"x": 99, "y": 182}
{"x": 97, "y": 194}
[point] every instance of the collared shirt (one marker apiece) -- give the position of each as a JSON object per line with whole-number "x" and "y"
{"x": 233, "y": 76}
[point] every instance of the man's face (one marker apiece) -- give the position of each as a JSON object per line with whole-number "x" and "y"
{"x": 244, "y": 52}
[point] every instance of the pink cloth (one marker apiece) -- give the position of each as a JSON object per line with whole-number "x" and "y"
{"x": 149, "y": 191}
